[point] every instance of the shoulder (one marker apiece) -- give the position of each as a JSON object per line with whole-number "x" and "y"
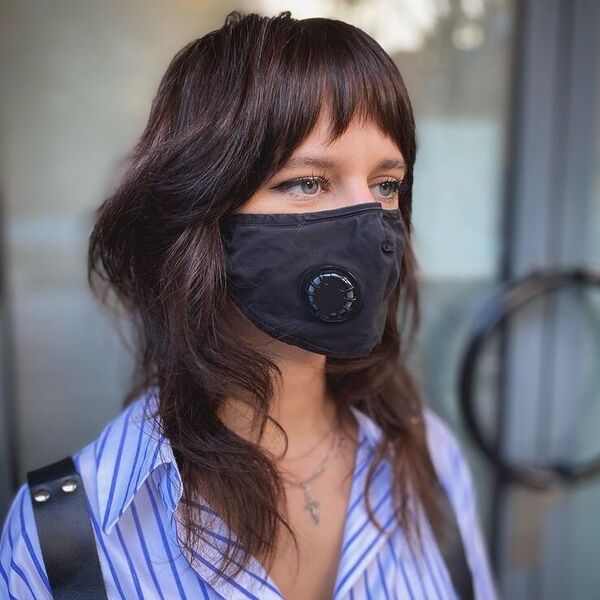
{"x": 22, "y": 571}
{"x": 449, "y": 459}
{"x": 454, "y": 471}
{"x": 456, "y": 477}
{"x": 439, "y": 433}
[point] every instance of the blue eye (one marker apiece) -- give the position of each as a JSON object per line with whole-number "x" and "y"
{"x": 308, "y": 185}
{"x": 312, "y": 186}
{"x": 390, "y": 187}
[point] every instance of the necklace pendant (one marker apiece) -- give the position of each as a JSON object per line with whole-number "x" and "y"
{"x": 309, "y": 502}
{"x": 312, "y": 505}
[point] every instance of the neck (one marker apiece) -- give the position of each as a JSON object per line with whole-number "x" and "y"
{"x": 301, "y": 404}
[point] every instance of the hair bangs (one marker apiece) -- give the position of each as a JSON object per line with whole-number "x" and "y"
{"x": 331, "y": 69}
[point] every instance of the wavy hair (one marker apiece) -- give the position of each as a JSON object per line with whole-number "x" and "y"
{"x": 229, "y": 111}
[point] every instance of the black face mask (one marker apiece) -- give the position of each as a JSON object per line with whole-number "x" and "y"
{"x": 318, "y": 280}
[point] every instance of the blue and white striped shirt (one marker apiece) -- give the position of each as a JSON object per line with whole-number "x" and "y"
{"x": 133, "y": 487}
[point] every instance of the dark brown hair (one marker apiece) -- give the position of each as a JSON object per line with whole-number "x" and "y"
{"x": 231, "y": 108}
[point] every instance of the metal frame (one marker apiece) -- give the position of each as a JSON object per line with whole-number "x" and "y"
{"x": 554, "y": 99}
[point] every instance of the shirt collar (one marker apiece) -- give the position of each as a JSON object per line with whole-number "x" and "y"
{"x": 128, "y": 451}
{"x": 131, "y": 448}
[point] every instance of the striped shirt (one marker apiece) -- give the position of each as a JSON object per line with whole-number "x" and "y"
{"x": 133, "y": 487}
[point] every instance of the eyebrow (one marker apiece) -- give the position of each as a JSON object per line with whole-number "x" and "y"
{"x": 325, "y": 163}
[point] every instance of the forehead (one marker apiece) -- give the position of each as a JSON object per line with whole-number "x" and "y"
{"x": 361, "y": 136}
{"x": 323, "y": 130}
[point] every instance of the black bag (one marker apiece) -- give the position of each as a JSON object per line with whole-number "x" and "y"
{"x": 71, "y": 556}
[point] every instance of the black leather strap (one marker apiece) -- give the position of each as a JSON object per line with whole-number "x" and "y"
{"x": 65, "y": 532}
{"x": 451, "y": 547}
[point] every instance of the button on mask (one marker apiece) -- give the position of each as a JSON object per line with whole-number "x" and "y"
{"x": 318, "y": 280}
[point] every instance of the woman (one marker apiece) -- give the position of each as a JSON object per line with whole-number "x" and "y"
{"x": 274, "y": 444}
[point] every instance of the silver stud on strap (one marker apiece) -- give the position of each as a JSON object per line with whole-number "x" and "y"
{"x": 70, "y": 485}
{"x": 41, "y": 495}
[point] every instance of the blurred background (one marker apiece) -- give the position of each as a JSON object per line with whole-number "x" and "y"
{"x": 507, "y": 101}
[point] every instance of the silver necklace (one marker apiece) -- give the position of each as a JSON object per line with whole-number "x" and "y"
{"x": 310, "y": 503}
{"x": 304, "y": 454}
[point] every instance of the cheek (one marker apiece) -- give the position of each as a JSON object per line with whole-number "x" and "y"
{"x": 260, "y": 202}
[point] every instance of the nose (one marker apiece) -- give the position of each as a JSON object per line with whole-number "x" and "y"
{"x": 355, "y": 193}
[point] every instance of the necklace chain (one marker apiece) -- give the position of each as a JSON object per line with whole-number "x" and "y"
{"x": 319, "y": 442}
{"x": 310, "y": 503}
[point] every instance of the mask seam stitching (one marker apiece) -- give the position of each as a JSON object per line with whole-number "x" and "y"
{"x": 311, "y": 221}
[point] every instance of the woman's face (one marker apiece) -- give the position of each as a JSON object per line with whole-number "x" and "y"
{"x": 363, "y": 165}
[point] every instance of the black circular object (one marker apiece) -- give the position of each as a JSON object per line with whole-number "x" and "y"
{"x": 330, "y": 293}
{"x": 513, "y": 297}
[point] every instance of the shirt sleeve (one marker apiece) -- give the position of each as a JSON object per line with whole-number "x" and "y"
{"x": 456, "y": 476}
{"x": 22, "y": 572}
